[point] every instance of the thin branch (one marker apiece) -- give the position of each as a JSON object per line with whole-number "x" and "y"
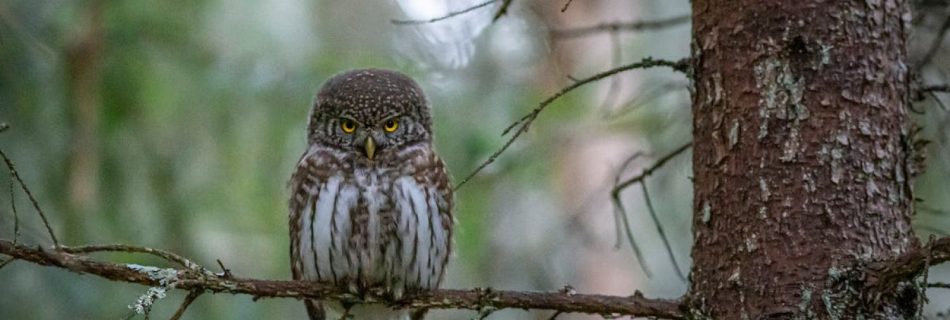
{"x": 935, "y": 45}
{"x": 648, "y": 171}
{"x": 525, "y": 121}
{"x": 503, "y": 10}
{"x": 659, "y": 229}
{"x": 225, "y": 271}
{"x": 563, "y": 9}
{"x": 36, "y": 205}
{"x": 646, "y": 25}
{"x": 171, "y": 257}
{"x": 191, "y": 297}
{"x": 885, "y": 275}
{"x": 16, "y": 216}
{"x": 621, "y": 212}
{"x": 943, "y": 285}
{"x": 6, "y": 262}
{"x": 936, "y": 88}
{"x": 475, "y": 299}
{"x": 447, "y": 16}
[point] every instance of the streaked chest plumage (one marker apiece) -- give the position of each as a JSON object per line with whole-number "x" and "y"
{"x": 371, "y": 226}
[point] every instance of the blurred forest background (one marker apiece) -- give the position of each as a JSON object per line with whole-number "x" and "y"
{"x": 176, "y": 125}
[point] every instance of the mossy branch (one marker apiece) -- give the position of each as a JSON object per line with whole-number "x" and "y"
{"x": 198, "y": 279}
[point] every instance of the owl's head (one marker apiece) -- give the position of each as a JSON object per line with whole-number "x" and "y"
{"x": 369, "y": 112}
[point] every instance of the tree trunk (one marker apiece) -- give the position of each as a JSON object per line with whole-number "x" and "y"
{"x": 801, "y": 157}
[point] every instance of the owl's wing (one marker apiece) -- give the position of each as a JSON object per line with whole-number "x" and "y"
{"x": 305, "y": 179}
{"x": 435, "y": 196}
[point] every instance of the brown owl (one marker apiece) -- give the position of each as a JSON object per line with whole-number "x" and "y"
{"x": 371, "y": 203}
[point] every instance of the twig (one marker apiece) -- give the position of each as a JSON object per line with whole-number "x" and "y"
{"x": 943, "y": 285}
{"x": 194, "y": 294}
{"x": 885, "y": 275}
{"x": 225, "y": 271}
{"x": 6, "y": 262}
{"x": 659, "y": 229}
{"x": 16, "y": 216}
{"x": 936, "y": 88}
{"x": 171, "y": 257}
{"x": 621, "y": 212}
{"x": 556, "y": 313}
{"x": 503, "y": 10}
{"x": 567, "y": 4}
{"x": 935, "y": 45}
{"x": 525, "y": 121}
{"x": 648, "y": 171}
{"x": 614, "y": 27}
{"x": 447, "y": 16}
{"x": 36, "y": 205}
{"x": 190, "y": 280}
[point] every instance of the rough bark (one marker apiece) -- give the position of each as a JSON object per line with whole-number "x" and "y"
{"x": 800, "y": 160}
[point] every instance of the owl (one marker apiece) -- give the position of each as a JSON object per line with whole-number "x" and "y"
{"x": 371, "y": 202}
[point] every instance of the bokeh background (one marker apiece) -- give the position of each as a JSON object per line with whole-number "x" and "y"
{"x": 176, "y": 125}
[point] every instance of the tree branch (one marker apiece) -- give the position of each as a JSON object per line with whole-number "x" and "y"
{"x": 884, "y": 275}
{"x": 570, "y": 33}
{"x": 200, "y": 280}
{"x": 447, "y": 16}
{"x": 522, "y": 124}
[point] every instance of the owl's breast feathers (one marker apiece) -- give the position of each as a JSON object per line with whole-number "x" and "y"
{"x": 360, "y": 224}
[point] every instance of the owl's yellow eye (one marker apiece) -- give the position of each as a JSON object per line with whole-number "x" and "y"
{"x": 391, "y": 125}
{"x": 347, "y": 125}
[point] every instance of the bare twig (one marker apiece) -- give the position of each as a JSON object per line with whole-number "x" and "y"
{"x": 502, "y": 10}
{"x": 569, "y": 33}
{"x": 194, "y": 294}
{"x": 885, "y": 275}
{"x": 171, "y": 257}
{"x": 477, "y": 299}
{"x": 943, "y": 285}
{"x": 36, "y": 205}
{"x": 620, "y": 215}
{"x": 935, "y": 45}
{"x": 648, "y": 171}
{"x": 447, "y": 16}
{"x": 659, "y": 229}
{"x": 566, "y": 4}
{"x": 936, "y": 88}
{"x": 6, "y": 262}
{"x": 16, "y": 216}
{"x": 225, "y": 271}
{"x": 524, "y": 123}
{"x": 621, "y": 211}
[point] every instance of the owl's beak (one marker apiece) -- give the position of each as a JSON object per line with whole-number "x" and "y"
{"x": 370, "y": 147}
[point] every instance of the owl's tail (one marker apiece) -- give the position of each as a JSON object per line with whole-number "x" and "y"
{"x": 315, "y": 310}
